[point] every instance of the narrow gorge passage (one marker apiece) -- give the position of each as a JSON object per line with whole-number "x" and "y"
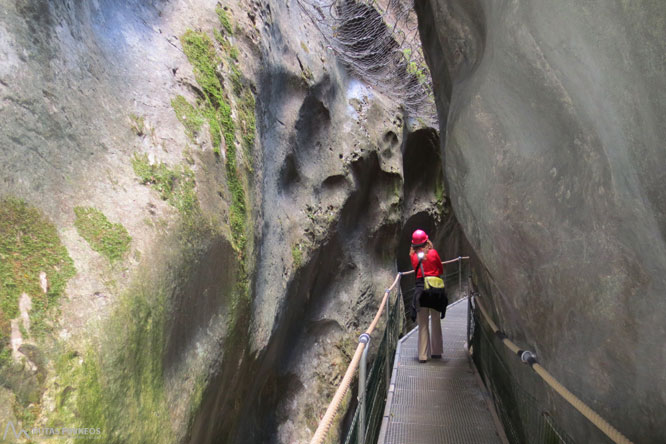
{"x": 201, "y": 203}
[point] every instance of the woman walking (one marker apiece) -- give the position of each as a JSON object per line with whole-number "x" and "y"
{"x": 425, "y": 259}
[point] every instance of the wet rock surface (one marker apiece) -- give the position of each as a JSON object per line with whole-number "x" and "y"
{"x": 554, "y": 163}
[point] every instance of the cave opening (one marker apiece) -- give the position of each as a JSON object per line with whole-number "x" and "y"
{"x": 426, "y": 204}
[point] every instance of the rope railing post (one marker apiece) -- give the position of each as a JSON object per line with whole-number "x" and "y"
{"x": 469, "y": 315}
{"x": 364, "y": 339}
{"x": 459, "y": 275}
{"x": 387, "y": 364}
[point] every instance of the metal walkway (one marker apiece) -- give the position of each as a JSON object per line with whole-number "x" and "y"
{"x": 440, "y": 401}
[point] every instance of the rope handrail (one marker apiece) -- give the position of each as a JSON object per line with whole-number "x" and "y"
{"x": 332, "y": 410}
{"x": 334, "y": 406}
{"x": 529, "y": 358}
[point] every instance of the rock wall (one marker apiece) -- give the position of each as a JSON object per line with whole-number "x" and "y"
{"x": 330, "y": 187}
{"x": 97, "y": 147}
{"x": 553, "y": 121}
{"x": 200, "y": 213}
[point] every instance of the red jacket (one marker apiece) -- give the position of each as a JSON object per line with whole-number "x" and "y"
{"x": 432, "y": 264}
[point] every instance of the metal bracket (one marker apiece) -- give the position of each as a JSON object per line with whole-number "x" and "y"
{"x": 528, "y": 358}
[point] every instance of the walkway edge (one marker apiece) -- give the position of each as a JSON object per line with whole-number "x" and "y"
{"x": 389, "y": 396}
{"x": 489, "y": 400}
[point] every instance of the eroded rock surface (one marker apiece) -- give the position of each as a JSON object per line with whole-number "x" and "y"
{"x": 554, "y": 117}
{"x": 231, "y": 201}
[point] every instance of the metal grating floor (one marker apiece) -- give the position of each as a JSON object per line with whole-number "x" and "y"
{"x": 439, "y": 402}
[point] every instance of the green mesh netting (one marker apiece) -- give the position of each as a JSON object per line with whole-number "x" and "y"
{"x": 522, "y": 415}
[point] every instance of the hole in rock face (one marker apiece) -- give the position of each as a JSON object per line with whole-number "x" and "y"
{"x": 390, "y": 142}
{"x": 422, "y": 162}
{"x": 335, "y": 181}
{"x": 288, "y": 172}
{"x": 390, "y": 138}
{"x": 314, "y": 121}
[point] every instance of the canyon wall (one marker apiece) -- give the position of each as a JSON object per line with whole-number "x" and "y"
{"x": 552, "y": 118}
{"x": 200, "y": 211}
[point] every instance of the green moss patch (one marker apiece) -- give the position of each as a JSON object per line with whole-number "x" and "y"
{"x": 228, "y": 126}
{"x": 215, "y": 109}
{"x": 188, "y": 115}
{"x": 200, "y": 52}
{"x": 109, "y": 239}
{"x": 29, "y": 244}
{"x": 119, "y": 390}
{"x": 246, "y": 117}
{"x": 227, "y": 118}
{"x": 297, "y": 255}
{"x": 225, "y": 21}
{"x": 118, "y": 384}
{"x": 238, "y": 214}
{"x": 233, "y": 53}
{"x": 175, "y": 185}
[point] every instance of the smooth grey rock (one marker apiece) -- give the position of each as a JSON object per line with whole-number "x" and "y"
{"x": 553, "y": 115}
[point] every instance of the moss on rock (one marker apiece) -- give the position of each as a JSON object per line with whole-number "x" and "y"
{"x": 246, "y": 107}
{"x": 175, "y": 185}
{"x": 120, "y": 388}
{"x": 188, "y": 115}
{"x": 216, "y": 109}
{"x": 297, "y": 255}
{"x": 118, "y": 384}
{"x": 200, "y": 52}
{"x": 109, "y": 239}
{"x": 225, "y": 21}
{"x": 29, "y": 245}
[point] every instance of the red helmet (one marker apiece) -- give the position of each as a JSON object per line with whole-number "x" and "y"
{"x": 419, "y": 238}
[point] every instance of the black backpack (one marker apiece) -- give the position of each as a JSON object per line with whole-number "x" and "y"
{"x": 432, "y": 297}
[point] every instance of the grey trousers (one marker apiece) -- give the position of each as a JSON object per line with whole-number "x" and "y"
{"x": 430, "y": 342}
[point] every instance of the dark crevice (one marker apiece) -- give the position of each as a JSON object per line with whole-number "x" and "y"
{"x": 427, "y": 205}
{"x": 422, "y": 163}
{"x": 258, "y": 421}
{"x": 194, "y": 302}
{"x": 289, "y": 174}
{"x": 372, "y": 185}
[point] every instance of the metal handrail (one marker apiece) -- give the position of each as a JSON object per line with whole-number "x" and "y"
{"x": 360, "y": 358}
